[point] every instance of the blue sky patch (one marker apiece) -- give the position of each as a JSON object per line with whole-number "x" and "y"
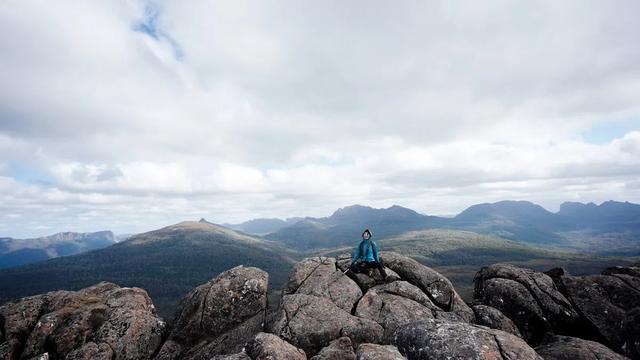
{"x": 604, "y": 133}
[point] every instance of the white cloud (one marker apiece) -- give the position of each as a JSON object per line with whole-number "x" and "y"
{"x": 233, "y": 110}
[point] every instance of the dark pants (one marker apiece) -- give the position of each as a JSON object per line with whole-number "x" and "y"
{"x": 363, "y": 267}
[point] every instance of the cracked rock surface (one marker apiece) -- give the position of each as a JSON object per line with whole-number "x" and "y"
{"x": 269, "y": 346}
{"x": 324, "y": 315}
{"x": 441, "y": 339}
{"x": 395, "y": 304}
{"x": 494, "y": 319}
{"x": 378, "y": 352}
{"x": 320, "y": 276}
{"x": 220, "y": 316}
{"x": 437, "y": 287}
{"x": 571, "y": 348}
{"x": 527, "y": 297}
{"x": 610, "y": 305}
{"x": 103, "y": 321}
{"x": 311, "y": 323}
{"x": 339, "y": 349}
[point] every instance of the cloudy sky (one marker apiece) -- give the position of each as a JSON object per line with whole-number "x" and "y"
{"x": 131, "y": 115}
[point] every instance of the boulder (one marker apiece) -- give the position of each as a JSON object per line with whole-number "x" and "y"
{"x": 437, "y": 287}
{"x": 570, "y": 348}
{"x": 220, "y": 316}
{"x": 395, "y": 304}
{"x": 339, "y": 349}
{"x": 320, "y": 276}
{"x": 101, "y": 321}
{"x": 269, "y": 346}
{"x": 378, "y": 352}
{"x": 311, "y": 323}
{"x": 607, "y": 304}
{"x": 494, "y": 319}
{"x": 440, "y": 339}
{"x": 529, "y": 298}
{"x": 628, "y": 274}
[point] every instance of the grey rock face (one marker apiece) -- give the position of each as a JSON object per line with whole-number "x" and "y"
{"x": 311, "y": 323}
{"x": 320, "y": 276}
{"x": 339, "y": 349}
{"x": 607, "y": 302}
{"x": 219, "y": 317}
{"x": 494, "y": 319}
{"x": 529, "y": 298}
{"x": 269, "y": 346}
{"x": 570, "y": 348}
{"x": 387, "y": 306}
{"x": 441, "y": 339}
{"x": 437, "y": 287}
{"x": 378, "y": 352}
{"x": 102, "y": 321}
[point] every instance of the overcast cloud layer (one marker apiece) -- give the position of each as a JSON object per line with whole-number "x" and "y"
{"x": 131, "y": 115}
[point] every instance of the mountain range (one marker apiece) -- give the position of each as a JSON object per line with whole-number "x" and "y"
{"x": 615, "y": 224}
{"x": 169, "y": 261}
{"x": 14, "y": 252}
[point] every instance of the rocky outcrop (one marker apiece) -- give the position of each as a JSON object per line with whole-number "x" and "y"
{"x": 609, "y": 304}
{"x": 437, "y": 287}
{"x": 570, "y": 348}
{"x": 339, "y": 349}
{"x": 494, "y": 319}
{"x": 311, "y": 323}
{"x": 101, "y": 321}
{"x": 441, "y": 339}
{"x": 320, "y": 276}
{"x": 395, "y": 304}
{"x": 324, "y": 314}
{"x": 220, "y": 316}
{"x": 378, "y": 352}
{"x": 529, "y": 298}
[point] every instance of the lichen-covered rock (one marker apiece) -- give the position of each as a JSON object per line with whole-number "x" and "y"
{"x": 570, "y": 348}
{"x": 529, "y": 298}
{"x": 268, "y": 346}
{"x": 320, "y": 276}
{"x": 220, "y": 316}
{"x": 441, "y": 339}
{"x": 311, "y": 323}
{"x": 437, "y": 287}
{"x": 605, "y": 302}
{"x": 395, "y": 304}
{"x": 495, "y": 319}
{"x": 101, "y": 321}
{"x": 91, "y": 351}
{"x": 339, "y": 349}
{"x": 378, "y": 352}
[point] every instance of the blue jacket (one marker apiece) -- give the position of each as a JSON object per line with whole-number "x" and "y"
{"x": 366, "y": 251}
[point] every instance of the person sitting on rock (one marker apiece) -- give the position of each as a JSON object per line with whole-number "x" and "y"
{"x": 366, "y": 256}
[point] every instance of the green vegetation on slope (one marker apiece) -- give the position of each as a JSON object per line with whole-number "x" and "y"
{"x": 167, "y": 263}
